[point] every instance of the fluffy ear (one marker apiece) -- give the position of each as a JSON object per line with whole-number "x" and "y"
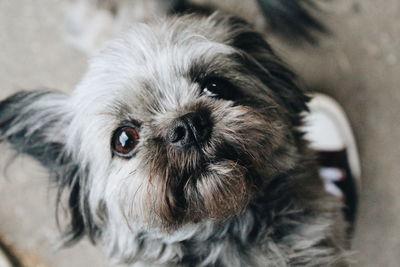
{"x": 293, "y": 19}
{"x": 261, "y": 60}
{"x": 34, "y": 123}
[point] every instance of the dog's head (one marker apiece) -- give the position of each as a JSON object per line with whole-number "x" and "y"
{"x": 179, "y": 122}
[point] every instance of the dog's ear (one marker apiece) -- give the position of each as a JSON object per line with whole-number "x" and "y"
{"x": 34, "y": 123}
{"x": 260, "y": 59}
{"x": 293, "y": 19}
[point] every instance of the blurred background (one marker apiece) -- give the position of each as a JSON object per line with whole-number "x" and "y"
{"x": 359, "y": 65}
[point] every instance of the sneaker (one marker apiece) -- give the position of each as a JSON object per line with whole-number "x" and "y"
{"x": 329, "y": 133}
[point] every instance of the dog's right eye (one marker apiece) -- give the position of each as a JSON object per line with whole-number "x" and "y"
{"x": 124, "y": 141}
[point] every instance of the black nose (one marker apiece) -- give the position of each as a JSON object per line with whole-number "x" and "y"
{"x": 193, "y": 128}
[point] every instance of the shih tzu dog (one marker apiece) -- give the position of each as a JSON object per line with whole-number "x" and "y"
{"x": 181, "y": 147}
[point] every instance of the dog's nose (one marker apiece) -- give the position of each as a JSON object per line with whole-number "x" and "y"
{"x": 194, "y": 128}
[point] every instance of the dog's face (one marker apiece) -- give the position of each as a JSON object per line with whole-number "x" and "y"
{"x": 174, "y": 124}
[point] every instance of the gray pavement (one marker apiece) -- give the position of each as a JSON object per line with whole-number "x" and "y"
{"x": 359, "y": 66}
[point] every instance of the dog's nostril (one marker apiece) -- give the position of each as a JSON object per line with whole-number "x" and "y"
{"x": 178, "y": 134}
{"x": 198, "y": 122}
{"x": 192, "y": 128}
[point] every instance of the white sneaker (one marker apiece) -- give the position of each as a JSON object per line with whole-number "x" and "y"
{"x": 329, "y": 133}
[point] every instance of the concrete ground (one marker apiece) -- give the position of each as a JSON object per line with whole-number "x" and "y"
{"x": 359, "y": 65}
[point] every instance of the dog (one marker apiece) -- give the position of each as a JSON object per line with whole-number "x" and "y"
{"x": 181, "y": 146}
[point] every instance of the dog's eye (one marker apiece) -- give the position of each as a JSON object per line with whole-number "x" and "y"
{"x": 124, "y": 141}
{"x": 218, "y": 88}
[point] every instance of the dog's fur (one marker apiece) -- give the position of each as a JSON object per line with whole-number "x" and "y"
{"x": 250, "y": 196}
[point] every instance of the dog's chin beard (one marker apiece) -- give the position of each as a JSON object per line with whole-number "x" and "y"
{"x": 191, "y": 187}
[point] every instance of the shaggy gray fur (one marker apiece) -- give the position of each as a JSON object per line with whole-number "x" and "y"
{"x": 249, "y": 196}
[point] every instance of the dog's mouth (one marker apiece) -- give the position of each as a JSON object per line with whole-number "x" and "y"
{"x": 194, "y": 185}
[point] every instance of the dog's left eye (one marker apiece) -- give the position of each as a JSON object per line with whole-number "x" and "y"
{"x": 218, "y": 88}
{"x": 124, "y": 141}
